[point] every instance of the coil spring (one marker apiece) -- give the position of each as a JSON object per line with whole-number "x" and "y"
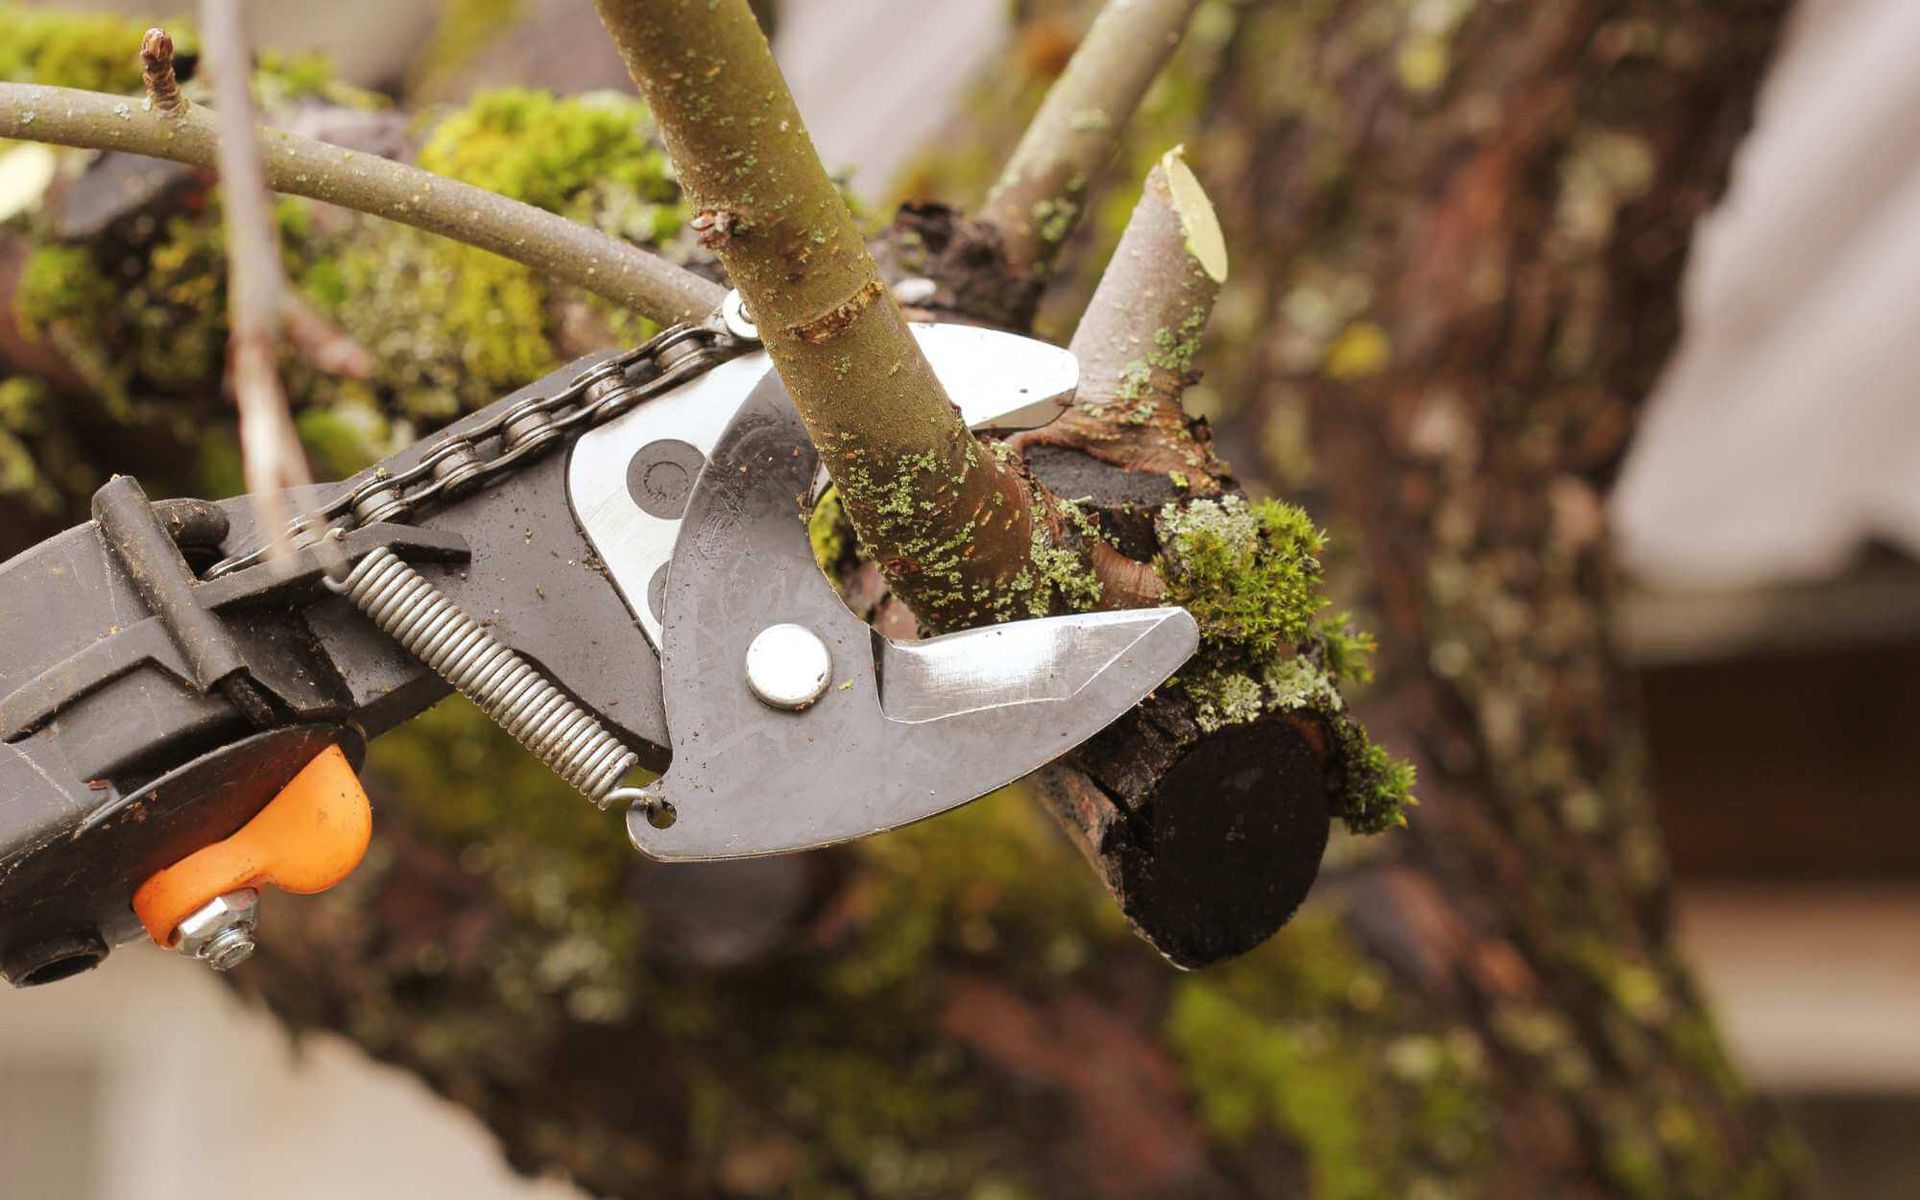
{"x": 562, "y": 734}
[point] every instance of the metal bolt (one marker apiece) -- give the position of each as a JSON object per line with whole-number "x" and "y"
{"x": 220, "y": 932}
{"x": 788, "y": 666}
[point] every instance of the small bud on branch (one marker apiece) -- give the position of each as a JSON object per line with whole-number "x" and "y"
{"x": 156, "y": 71}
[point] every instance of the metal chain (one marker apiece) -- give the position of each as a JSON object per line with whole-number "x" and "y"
{"x": 496, "y": 447}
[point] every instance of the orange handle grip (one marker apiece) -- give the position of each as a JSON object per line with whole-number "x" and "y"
{"x": 308, "y": 838}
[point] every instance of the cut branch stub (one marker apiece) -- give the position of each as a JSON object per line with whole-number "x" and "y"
{"x": 1208, "y": 842}
{"x": 1207, "y": 834}
{"x": 949, "y": 523}
{"x": 1141, "y": 334}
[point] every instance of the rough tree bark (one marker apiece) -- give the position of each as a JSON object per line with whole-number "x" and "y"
{"x": 1478, "y": 239}
{"x": 1463, "y": 237}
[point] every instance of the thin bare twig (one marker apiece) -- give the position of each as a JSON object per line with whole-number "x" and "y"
{"x": 271, "y": 455}
{"x": 1073, "y": 137}
{"x": 301, "y": 166}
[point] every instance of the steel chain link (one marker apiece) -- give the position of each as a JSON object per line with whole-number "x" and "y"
{"x": 495, "y": 448}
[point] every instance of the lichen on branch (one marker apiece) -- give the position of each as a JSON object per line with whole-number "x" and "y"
{"x": 951, "y": 525}
{"x": 1044, "y": 188}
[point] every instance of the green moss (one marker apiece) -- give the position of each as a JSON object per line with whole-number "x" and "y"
{"x": 1349, "y": 652}
{"x": 345, "y": 437}
{"x": 1378, "y": 786}
{"x": 846, "y": 1052}
{"x": 167, "y": 323}
{"x": 455, "y": 326}
{"x": 1300, "y": 1040}
{"x": 551, "y": 859}
{"x": 829, "y": 531}
{"x": 281, "y": 79}
{"x": 57, "y": 283}
{"x": 27, "y": 477}
{"x": 1249, "y": 574}
{"x": 990, "y": 878}
{"x": 1250, "y": 1072}
{"x": 547, "y": 150}
{"x": 870, "y": 1110}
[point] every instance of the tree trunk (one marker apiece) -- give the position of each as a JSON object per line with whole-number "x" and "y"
{"x": 1457, "y": 249}
{"x": 1476, "y": 245}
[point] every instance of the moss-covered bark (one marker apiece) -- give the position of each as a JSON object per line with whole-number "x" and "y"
{"x": 1477, "y": 226}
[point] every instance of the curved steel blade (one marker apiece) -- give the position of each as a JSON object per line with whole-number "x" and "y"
{"x": 903, "y": 730}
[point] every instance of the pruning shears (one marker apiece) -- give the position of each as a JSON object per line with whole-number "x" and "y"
{"x": 613, "y": 562}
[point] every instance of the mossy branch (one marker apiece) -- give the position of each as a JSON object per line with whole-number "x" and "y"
{"x": 302, "y": 166}
{"x": 950, "y": 524}
{"x": 1045, "y": 185}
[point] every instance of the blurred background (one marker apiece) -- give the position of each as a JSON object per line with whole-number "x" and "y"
{"x": 1767, "y": 519}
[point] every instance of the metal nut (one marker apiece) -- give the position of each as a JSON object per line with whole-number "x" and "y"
{"x": 220, "y": 932}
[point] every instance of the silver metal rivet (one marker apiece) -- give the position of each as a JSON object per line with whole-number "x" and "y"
{"x": 788, "y": 666}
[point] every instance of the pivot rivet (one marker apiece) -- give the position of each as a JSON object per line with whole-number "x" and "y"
{"x": 788, "y": 666}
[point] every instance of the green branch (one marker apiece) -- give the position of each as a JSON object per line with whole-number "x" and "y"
{"x": 1041, "y": 194}
{"x": 367, "y": 183}
{"x": 947, "y": 521}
